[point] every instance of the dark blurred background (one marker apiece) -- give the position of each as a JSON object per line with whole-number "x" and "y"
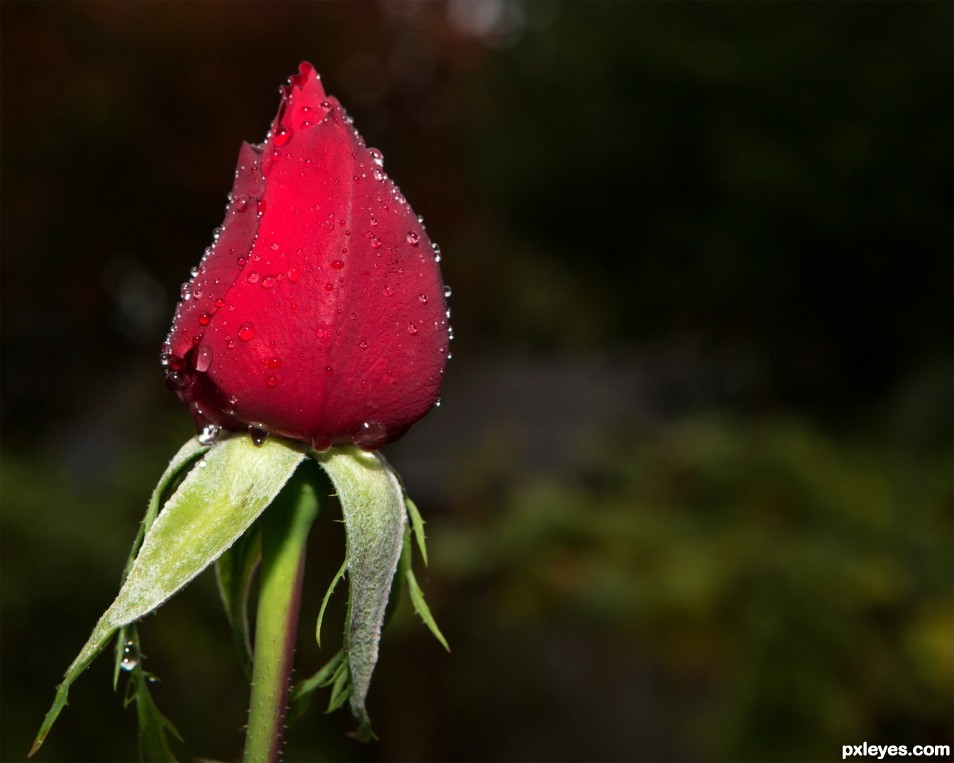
{"x": 690, "y": 489}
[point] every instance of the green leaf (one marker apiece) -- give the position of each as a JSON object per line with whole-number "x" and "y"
{"x": 417, "y": 525}
{"x": 417, "y": 595}
{"x": 372, "y": 503}
{"x": 214, "y": 505}
{"x": 234, "y": 571}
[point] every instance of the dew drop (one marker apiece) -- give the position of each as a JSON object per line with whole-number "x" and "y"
{"x": 273, "y": 363}
{"x": 329, "y": 286}
{"x": 337, "y": 264}
{"x": 271, "y": 382}
{"x": 371, "y": 435}
{"x": 185, "y": 291}
{"x": 209, "y": 434}
{"x": 252, "y": 278}
{"x": 241, "y": 203}
{"x": 176, "y": 381}
{"x": 282, "y": 136}
{"x": 268, "y": 282}
{"x": 329, "y": 371}
{"x": 376, "y": 156}
{"x": 375, "y": 242}
{"x": 274, "y": 247}
{"x": 411, "y": 329}
{"x": 258, "y": 435}
{"x": 294, "y": 272}
{"x": 374, "y": 221}
{"x": 447, "y": 292}
{"x": 388, "y": 291}
{"x": 203, "y": 358}
{"x": 261, "y": 206}
{"x": 413, "y": 238}
{"x": 422, "y": 298}
{"x": 437, "y": 403}
{"x": 204, "y": 319}
{"x": 130, "y": 658}
{"x": 246, "y": 332}
{"x": 201, "y": 463}
{"x": 363, "y": 344}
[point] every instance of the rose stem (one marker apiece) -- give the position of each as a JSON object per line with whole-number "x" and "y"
{"x": 285, "y": 526}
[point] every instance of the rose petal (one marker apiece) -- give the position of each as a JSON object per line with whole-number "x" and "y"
{"x": 334, "y": 328}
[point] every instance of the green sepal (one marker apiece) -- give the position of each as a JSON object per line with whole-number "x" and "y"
{"x": 234, "y": 571}
{"x": 372, "y": 504}
{"x": 302, "y": 692}
{"x": 153, "y": 725}
{"x": 217, "y": 501}
{"x": 324, "y": 602}
{"x": 417, "y": 595}
{"x": 188, "y": 454}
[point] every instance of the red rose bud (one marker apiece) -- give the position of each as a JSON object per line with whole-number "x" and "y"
{"x": 319, "y": 312}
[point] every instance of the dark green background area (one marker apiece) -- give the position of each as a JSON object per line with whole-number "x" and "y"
{"x": 690, "y": 489}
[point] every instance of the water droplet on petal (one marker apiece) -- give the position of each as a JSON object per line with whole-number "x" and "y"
{"x": 246, "y": 332}
{"x": 282, "y": 135}
{"x": 258, "y": 435}
{"x": 176, "y": 381}
{"x": 388, "y": 291}
{"x": 203, "y": 359}
{"x": 337, "y": 264}
{"x": 447, "y": 292}
{"x": 371, "y": 435}
{"x": 376, "y": 156}
{"x": 422, "y": 298}
{"x": 252, "y": 278}
{"x": 329, "y": 371}
{"x": 241, "y": 203}
{"x": 363, "y": 344}
{"x": 375, "y": 242}
{"x": 374, "y": 221}
{"x": 273, "y": 363}
{"x": 268, "y": 282}
{"x": 413, "y": 238}
{"x": 411, "y": 329}
{"x": 294, "y": 272}
{"x": 271, "y": 382}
